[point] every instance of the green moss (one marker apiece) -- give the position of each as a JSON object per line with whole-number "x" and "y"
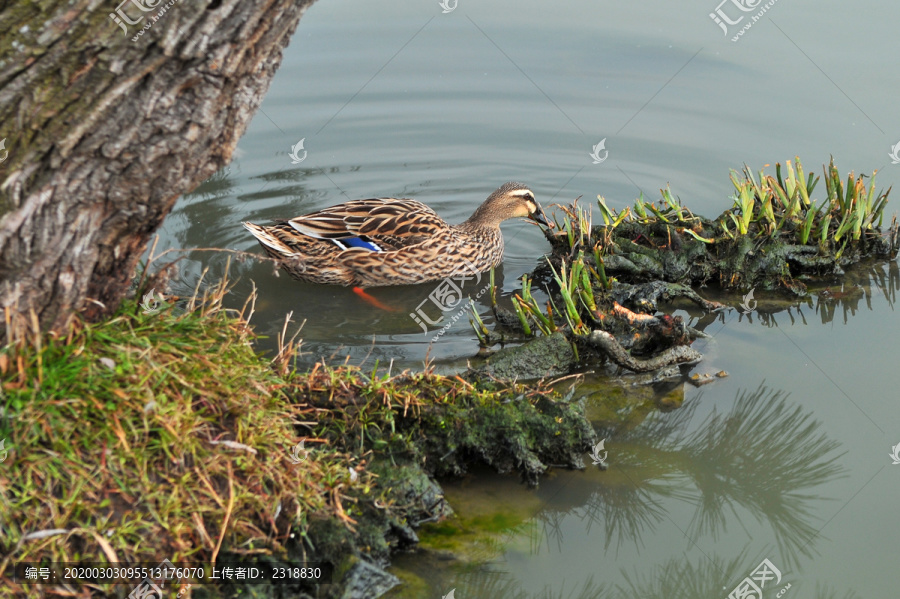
{"x": 445, "y": 424}
{"x": 412, "y": 585}
{"x": 547, "y": 356}
{"x": 488, "y": 509}
{"x": 611, "y": 403}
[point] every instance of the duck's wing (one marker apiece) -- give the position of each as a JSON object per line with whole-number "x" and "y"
{"x": 392, "y": 222}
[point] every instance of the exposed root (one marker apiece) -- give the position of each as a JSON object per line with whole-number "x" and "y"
{"x": 630, "y": 317}
{"x": 680, "y": 354}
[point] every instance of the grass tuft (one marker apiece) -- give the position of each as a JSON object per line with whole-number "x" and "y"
{"x": 154, "y": 435}
{"x": 165, "y": 435}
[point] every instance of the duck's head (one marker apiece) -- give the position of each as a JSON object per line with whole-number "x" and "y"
{"x": 510, "y": 200}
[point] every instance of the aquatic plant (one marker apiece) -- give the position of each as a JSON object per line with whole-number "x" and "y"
{"x": 782, "y": 205}
{"x": 601, "y": 282}
{"x": 775, "y": 231}
{"x": 526, "y": 306}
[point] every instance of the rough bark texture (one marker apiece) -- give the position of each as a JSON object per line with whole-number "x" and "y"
{"x": 104, "y": 133}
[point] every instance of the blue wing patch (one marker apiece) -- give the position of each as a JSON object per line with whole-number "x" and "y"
{"x": 357, "y": 242}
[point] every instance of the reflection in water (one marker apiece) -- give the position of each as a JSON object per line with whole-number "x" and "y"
{"x": 498, "y": 584}
{"x": 218, "y": 187}
{"x": 859, "y": 283}
{"x": 680, "y": 577}
{"x": 863, "y": 281}
{"x": 676, "y": 578}
{"x": 763, "y": 456}
{"x": 289, "y": 185}
{"x": 827, "y": 592}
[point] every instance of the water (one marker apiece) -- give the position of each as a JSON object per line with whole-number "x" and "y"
{"x": 396, "y": 99}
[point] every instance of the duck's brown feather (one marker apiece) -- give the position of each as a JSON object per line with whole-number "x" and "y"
{"x": 400, "y": 222}
{"x": 417, "y": 245}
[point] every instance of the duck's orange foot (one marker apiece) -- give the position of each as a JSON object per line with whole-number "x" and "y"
{"x": 373, "y": 301}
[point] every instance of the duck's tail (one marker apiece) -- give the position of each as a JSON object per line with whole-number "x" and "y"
{"x": 271, "y": 243}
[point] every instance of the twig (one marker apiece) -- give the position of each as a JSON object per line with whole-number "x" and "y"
{"x": 235, "y": 445}
{"x": 43, "y": 534}
{"x": 227, "y": 514}
{"x": 150, "y": 259}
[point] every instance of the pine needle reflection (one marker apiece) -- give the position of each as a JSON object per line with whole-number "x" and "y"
{"x": 677, "y": 577}
{"x": 498, "y": 584}
{"x": 680, "y": 577}
{"x": 763, "y": 458}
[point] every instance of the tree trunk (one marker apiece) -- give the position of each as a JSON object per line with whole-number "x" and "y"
{"x": 105, "y": 127}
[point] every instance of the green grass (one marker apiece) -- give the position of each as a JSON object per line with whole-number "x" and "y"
{"x": 165, "y": 435}
{"x": 114, "y": 433}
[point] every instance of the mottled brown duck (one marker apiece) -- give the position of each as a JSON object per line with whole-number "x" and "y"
{"x": 390, "y": 241}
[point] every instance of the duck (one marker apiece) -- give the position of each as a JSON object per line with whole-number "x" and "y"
{"x": 382, "y": 242}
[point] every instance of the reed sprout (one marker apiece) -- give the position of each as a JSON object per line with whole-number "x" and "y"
{"x": 783, "y": 206}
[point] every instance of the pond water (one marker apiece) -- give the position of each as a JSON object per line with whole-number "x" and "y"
{"x": 785, "y": 460}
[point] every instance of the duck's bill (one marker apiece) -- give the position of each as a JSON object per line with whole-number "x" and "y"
{"x": 538, "y": 216}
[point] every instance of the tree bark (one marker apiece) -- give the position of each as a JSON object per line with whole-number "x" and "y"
{"x": 105, "y": 128}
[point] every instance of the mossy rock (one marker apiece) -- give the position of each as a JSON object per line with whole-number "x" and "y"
{"x": 544, "y": 357}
